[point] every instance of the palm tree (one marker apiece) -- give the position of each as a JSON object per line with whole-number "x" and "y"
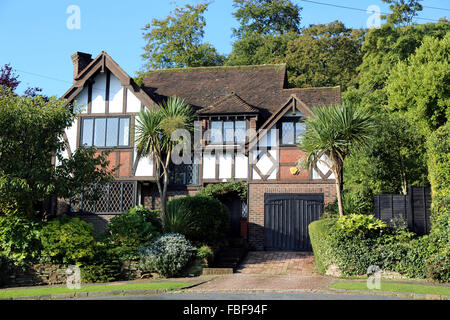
{"x": 335, "y": 131}
{"x": 153, "y": 137}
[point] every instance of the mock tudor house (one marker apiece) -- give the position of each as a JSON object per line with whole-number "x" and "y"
{"x": 229, "y": 102}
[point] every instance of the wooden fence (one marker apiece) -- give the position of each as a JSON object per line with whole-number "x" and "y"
{"x": 413, "y": 208}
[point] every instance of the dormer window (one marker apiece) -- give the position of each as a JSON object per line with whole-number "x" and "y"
{"x": 228, "y": 132}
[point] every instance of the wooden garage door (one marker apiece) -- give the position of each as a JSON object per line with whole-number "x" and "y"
{"x": 286, "y": 220}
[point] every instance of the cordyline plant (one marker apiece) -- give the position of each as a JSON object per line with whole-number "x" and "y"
{"x": 154, "y": 131}
{"x": 335, "y": 131}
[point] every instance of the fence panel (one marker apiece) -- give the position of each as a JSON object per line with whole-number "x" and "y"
{"x": 413, "y": 208}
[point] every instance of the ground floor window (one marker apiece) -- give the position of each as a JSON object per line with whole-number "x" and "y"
{"x": 116, "y": 197}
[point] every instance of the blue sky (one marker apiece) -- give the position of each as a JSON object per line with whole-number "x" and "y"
{"x": 38, "y": 44}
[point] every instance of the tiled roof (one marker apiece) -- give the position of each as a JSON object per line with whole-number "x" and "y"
{"x": 230, "y": 104}
{"x": 262, "y": 87}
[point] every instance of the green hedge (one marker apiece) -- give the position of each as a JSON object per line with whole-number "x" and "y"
{"x": 203, "y": 220}
{"x": 438, "y": 152}
{"x": 354, "y": 248}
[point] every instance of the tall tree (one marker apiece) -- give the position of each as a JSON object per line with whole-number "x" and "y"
{"x": 382, "y": 49}
{"x": 324, "y": 55}
{"x": 336, "y": 131}
{"x": 32, "y": 129}
{"x": 403, "y": 11}
{"x": 419, "y": 88}
{"x": 176, "y": 41}
{"x": 264, "y": 17}
{"x": 257, "y": 49}
{"x": 154, "y": 137}
{"x": 394, "y": 158}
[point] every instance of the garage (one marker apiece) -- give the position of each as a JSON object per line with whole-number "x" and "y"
{"x": 286, "y": 220}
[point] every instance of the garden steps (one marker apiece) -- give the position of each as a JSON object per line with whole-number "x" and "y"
{"x": 231, "y": 256}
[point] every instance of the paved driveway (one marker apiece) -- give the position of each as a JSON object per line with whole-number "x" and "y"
{"x": 278, "y": 262}
{"x": 271, "y": 270}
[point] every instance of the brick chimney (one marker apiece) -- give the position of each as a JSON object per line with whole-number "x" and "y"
{"x": 80, "y": 61}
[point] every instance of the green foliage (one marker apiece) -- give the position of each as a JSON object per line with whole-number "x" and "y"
{"x": 418, "y": 87}
{"x": 86, "y": 172}
{"x": 324, "y": 55}
{"x": 394, "y": 249}
{"x": 223, "y": 191}
{"x": 128, "y": 231}
{"x": 154, "y": 131}
{"x": 360, "y": 225}
{"x": 335, "y": 131}
{"x": 266, "y": 17}
{"x": 168, "y": 255}
{"x": 20, "y": 239}
{"x": 349, "y": 204}
{"x": 32, "y": 132}
{"x": 67, "y": 240}
{"x": 383, "y": 48}
{"x": 31, "y": 128}
{"x": 105, "y": 267}
{"x": 394, "y": 159}
{"x": 256, "y": 49}
{"x": 176, "y": 41}
{"x": 438, "y": 147}
{"x": 203, "y": 220}
{"x": 319, "y": 235}
{"x": 403, "y": 11}
{"x": 206, "y": 254}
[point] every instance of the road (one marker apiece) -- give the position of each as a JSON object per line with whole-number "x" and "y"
{"x": 245, "y": 296}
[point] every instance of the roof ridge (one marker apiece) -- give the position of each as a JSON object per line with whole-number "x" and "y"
{"x": 181, "y": 69}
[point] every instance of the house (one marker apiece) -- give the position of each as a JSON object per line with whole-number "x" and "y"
{"x": 229, "y": 103}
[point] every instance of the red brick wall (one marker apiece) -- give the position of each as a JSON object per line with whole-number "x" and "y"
{"x": 256, "y": 203}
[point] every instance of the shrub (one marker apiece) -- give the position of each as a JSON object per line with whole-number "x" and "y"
{"x": 319, "y": 232}
{"x": 350, "y": 204}
{"x": 167, "y": 255}
{"x": 362, "y": 244}
{"x": 206, "y": 254}
{"x": 221, "y": 191}
{"x": 68, "y": 240}
{"x": 135, "y": 228}
{"x": 360, "y": 226}
{"x": 438, "y": 153}
{"x": 105, "y": 267}
{"x": 5, "y": 264}
{"x": 20, "y": 238}
{"x": 203, "y": 220}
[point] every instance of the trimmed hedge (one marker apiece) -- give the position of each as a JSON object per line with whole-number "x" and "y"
{"x": 203, "y": 220}
{"x": 392, "y": 249}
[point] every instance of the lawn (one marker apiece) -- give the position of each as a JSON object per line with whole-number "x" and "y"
{"x": 394, "y": 287}
{"x": 8, "y": 293}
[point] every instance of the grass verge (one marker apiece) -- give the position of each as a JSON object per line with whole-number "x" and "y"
{"x": 394, "y": 287}
{"x": 14, "y": 293}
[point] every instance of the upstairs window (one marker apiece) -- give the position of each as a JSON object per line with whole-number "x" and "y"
{"x": 105, "y": 132}
{"x": 228, "y": 131}
{"x": 291, "y": 130}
